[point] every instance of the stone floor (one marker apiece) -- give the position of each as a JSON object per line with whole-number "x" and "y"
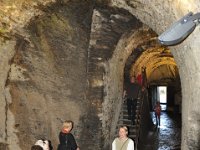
{"x": 168, "y": 135}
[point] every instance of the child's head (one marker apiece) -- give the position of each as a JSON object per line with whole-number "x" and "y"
{"x": 67, "y": 125}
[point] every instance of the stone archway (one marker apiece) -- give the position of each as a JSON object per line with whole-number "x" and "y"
{"x": 114, "y": 76}
{"x": 153, "y": 13}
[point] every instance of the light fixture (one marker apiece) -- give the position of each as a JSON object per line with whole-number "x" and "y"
{"x": 180, "y": 30}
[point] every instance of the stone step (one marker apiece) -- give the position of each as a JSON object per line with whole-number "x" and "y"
{"x": 125, "y": 114}
{"x": 126, "y": 111}
{"x": 127, "y": 124}
{"x": 132, "y": 136}
{"x": 125, "y": 107}
{"x": 126, "y": 120}
{"x": 123, "y": 120}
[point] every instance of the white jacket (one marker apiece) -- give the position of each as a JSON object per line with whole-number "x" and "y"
{"x": 130, "y": 145}
{"x": 43, "y": 143}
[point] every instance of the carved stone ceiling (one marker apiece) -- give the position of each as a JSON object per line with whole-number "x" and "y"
{"x": 159, "y": 63}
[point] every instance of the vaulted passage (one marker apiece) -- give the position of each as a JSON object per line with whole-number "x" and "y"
{"x": 167, "y": 136}
{"x": 70, "y": 59}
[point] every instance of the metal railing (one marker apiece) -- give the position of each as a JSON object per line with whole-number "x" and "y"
{"x": 139, "y": 118}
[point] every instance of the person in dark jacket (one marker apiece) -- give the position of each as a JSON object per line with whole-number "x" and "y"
{"x": 132, "y": 91}
{"x": 67, "y": 141}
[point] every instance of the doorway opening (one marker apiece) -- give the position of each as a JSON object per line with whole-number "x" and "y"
{"x": 162, "y": 96}
{"x": 159, "y": 93}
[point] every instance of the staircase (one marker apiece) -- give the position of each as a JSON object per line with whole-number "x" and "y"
{"x": 143, "y": 121}
{"x": 123, "y": 120}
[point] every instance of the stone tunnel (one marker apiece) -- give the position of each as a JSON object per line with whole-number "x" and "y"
{"x": 68, "y": 59}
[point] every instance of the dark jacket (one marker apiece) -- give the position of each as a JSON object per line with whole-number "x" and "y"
{"x": 67, "y": 142}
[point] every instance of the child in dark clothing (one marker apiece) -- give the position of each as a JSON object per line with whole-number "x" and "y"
{"x": 67, "y": 141}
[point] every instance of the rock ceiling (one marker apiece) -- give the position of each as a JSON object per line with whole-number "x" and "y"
{"x": 158, "y": 61}
{"x": 160, "y": 65}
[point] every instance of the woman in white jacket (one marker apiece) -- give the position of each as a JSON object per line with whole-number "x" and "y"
{"x": 123, "y": 142}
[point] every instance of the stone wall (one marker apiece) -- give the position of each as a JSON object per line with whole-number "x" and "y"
{"x": 52, "y": 57}
{"x": 108, "y": 26}
{"x": 47, "y": 80}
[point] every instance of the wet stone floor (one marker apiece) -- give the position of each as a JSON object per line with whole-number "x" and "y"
{"x": 168, "y": 135}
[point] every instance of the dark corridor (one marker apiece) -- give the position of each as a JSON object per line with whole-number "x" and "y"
{"x": 168, "y": 135}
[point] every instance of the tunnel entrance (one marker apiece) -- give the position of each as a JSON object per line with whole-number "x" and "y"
{"x": 156, "y": 71}
{"x": 159, "y": 93}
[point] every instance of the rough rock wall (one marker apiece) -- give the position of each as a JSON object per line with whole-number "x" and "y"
{"x": 45, "y": 66}
{"x": 50, "y": 57}
{"x": 47, "y": 79}
{"x": 14, "y": 15}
